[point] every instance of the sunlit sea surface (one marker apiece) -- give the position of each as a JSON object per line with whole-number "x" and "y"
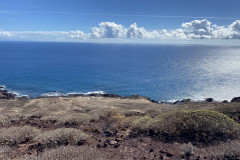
{"x": 161, "y": 72}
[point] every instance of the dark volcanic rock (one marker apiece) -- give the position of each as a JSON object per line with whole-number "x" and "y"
{"x": 4, "y": 94}
{"x": 111, "y": 95}
{"x": 75, "y": 94}
{"x": 140, "y": 97}
{"x": 236, "y": 99}
{"x": 186, "y": 100}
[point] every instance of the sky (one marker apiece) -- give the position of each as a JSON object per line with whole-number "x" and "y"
{"x": 120, "y": 20}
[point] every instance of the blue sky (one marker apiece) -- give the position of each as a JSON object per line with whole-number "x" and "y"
{"x": 55, "y": 19}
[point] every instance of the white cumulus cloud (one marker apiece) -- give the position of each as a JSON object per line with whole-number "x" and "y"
{"x": 196, "y": 29}
{"x": 108, "y": 30}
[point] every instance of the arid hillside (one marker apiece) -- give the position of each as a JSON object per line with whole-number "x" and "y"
{"x": 93, "y": 127}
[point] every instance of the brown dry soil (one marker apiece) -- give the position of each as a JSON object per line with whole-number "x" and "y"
{"x": 120, "y": 144}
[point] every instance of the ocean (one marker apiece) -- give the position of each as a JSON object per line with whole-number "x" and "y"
{"x": 161, "y": 72}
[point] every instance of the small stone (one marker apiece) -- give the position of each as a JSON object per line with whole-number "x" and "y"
{"x": 116, "y": 146}
{"x": 151, "y": 150}
{"x": 160, "y": 157}
{"x": 107, "y": 141}
{"x": 168, "y": 154}
{"x": 161, "y": 151}
{"x": 104, "y": 145}
{"x": 95, "y": 130}
{"x": 118, "y": 139}
{"x": 113, "y": 142}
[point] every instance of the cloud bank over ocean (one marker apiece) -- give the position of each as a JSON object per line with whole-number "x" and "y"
{"x": 196, "y": 29}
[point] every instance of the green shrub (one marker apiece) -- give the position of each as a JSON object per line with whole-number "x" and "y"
{"x": 62, "y": 136}
{"x": 68, "y": 153}
{"x": 16, "y": 135}
{"x": 194, "y": 126}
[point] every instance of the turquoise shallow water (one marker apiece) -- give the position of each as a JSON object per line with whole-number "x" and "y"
{"x": 161, "y": 72}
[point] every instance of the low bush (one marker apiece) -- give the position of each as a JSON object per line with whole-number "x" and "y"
{"x": 4, "y": 119}
{"x": 96, "y": 114}
{"x": 74, "y": 119}
{"x": 188, "y": 126}
{"x": 68, "y": 153}
{"x": 232, "y": 111}
{"x": 133, "y": 112}
{"x": 62, "y": 136}
{"x": 17, "y": 135}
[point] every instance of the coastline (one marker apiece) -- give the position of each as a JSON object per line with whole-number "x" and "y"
{"x": 7, "y": 94}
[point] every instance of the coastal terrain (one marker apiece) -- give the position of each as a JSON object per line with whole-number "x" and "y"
{"x": 113, "y": 127}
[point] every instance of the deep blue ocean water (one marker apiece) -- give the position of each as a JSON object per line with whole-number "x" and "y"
{"x": 161, "y": 72}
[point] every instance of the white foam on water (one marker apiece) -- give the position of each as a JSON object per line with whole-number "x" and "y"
{"x": 52, "y": 94}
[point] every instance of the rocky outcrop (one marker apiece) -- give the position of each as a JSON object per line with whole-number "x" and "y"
{"x": 236, "y": 99}
{"x": 4, "y": 94}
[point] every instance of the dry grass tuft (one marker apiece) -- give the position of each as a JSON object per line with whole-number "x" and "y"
{"x": 17, "y": 135}
{"x": 62, "y": 136}
{"x": 5, "y": 151}
{"x": 96, "y": 114}
{"x": 37, "y": 114}
{"x": 133, "y": 112}
{"x": 116, "y": 121}
{"x": 74, "y": 119}
{"x": 232, "y": 111}
{"x": 191, "y": 126}
{"x": 69, "y": 153}
{"x": 4, "y": 119}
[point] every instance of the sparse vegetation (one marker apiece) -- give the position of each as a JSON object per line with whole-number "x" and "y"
{"x": 69, "y": 153}
{"x": 17, "y": 135}
{"x": 62, "y": 136}
{"x": 119, "y": 128}
{"x": 194, "y": 126}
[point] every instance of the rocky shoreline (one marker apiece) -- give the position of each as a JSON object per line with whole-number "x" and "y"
{"x": 5, "y": 94}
